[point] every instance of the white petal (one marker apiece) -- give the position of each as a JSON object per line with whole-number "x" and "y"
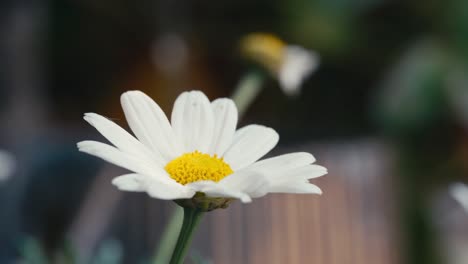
{"x": 121, "y": 138}
{"x": 225, "y": 122}
{"x": 305, "y": 173}
{"x": 284, "y": 162}
{"x": 241, "y": 184}
{"x": 295, "y": 187}
{"x": 166, "y": 189}
{"x": 250, "y": 144}
{"x": 214, "y": 189}
{"x": 193, "y": 121}
{"x": 298, "y": 64}
{"x": 250, "y": 182}
{"x": 117, "y": 157}
{"x": 156, "y": 187}
{"x": 150, "y": 124}
{"x": 289, "y": 167}
{"x": 129, "y": 182}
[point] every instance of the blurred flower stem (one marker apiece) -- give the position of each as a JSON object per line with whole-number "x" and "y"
{"x": 192, "y": 217}
{"x": 248, "y": 88}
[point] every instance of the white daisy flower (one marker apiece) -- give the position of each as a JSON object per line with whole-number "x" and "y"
{"x": 199, "y": 155}
{"x": 289, "y": 64}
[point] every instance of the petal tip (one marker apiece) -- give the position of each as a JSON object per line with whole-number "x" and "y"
{"x": 224, "y": 102}
{"x": 311, "y": 158}
{"x": 316, "y": 190}
{"x": 88, "y": 117}
{"x": 82, "y": 145}
{"x": 245, "y": 199}
{"x": 132, "y": 93}
{"x": 197, "y": 92}
{"x": 199, "y": 95}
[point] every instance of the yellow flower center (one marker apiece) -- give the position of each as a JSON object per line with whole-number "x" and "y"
{"x": 264, "y": 49}
{"x": 196, "y": 166}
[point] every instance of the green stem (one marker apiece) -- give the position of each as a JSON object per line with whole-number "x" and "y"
{"x": 169, "y": 237}
{"x": 247, "y": 90}
{"x": 192, "y": 218}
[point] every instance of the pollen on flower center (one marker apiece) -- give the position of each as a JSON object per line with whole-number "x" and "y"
{"x": 196, "y": 166}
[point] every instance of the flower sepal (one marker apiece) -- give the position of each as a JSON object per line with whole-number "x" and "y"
{"x": 204, "y": 203}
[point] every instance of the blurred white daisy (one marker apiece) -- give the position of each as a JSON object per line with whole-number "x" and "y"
{"x": 7, "y": 165}
{"x": 199, "y": 154}
{"x": 290, "y": 64}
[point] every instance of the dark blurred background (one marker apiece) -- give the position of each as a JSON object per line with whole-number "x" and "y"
{"x": 386, "y": 112}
